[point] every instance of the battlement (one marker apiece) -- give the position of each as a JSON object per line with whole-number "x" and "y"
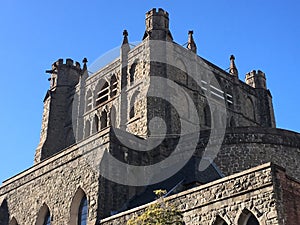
{"x": 69, "y": 62}
{"x": 258, "y": 73}
{"x": 157, "y": 12}
{"x": 256, "y": 79}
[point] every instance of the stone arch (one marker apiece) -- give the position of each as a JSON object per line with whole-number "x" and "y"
{"x": 249, "y": 108}
{"x": 103, "y": 119}
{"x": 132, "y": 71}
{"x": 207, "y": 116}
{"x": 88, "y": 101}
{"x": 43, "y": 213}
{"x": 13, "y": 221}
{"x": 75, "y": 204}
{"x": 181, "y": 75}
{"x": 101, "y": 92}
{"x": 247, "y": 218}
{"x": 87, "y": 128}
{"x": 4, "y": 212}
{"x": 219, "y": 221}
{"x": 132, "y": 106}
{"x": 113, "y": 116}
{"x": 232, "y": 122}
{"x": 95, "y": 125}
{"x": 113, "y": 86}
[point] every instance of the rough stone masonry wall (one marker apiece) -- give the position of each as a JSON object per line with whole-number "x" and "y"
{"x": 288, "y": 193}
{"x": 228, "y": 198}
{"x": 55, "y": 182}
{"x": 244, "y": 148}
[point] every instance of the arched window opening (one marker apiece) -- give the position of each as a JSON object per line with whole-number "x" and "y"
{"x": 89, "y": 101}
{"x": 95, "y": 127}
{"x": 252, "y": 220}
{"x": 103, "y": 119}
{"x": 83, "y": 211}
{"x": 207, "y": 116}
{"x": 47, "y": 220}
{"x": 249, "y": 109}
{"x": 13, "y": 221}
{"x": 113, "y": 117}
{"x": 133, "y": 100}
{"x": 220, "y": 221}
{"x": 102, "y": 92}
{"x": 232, "y": 122}
{"x": 132, "y": 72}
{"x": 87, "y": 129}
{"x": 79, "y": 208}
{"x": 4, "y": 213}
{"x": 181, "y": 74}
{"x": 113, "y": 86}
{"x": 247, "y": 218}
{"x": 44, "y": 216}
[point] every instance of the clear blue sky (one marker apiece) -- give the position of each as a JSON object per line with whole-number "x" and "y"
{"x": 261, "y": 34}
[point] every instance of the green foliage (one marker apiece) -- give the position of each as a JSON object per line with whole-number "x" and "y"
{"x": 158, "y": 213}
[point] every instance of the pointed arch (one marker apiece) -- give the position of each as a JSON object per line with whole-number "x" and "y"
{"x": 220, "y": 221}
{"x": 207, "y": 116}
{"x": 44, "y": 216}
{"x": 181, "y": 75}
{"x": 249, "y": 108}
{"x": 89, "y": 101}
{"x": 95, "y": 127}
{"x": 132, "y": 107}
{"x": 113, "y": 116}
{"x": 13, "y": 221}
{"x": 79, "y": 208}
{"x": 87, "y": 129}
{"x": 232, "y": 122}
{"x": 101, "y": 92}
{"x": 247, "y": 218}
{"x": 132, "y": 71}
{"x": 103, "y": 120}
{"x": 113, "y": 86}
{"x": 4, "y": 212}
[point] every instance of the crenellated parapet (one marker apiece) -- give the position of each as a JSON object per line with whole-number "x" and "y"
{"x": 256, "y": 79}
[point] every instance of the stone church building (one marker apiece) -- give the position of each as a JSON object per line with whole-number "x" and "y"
{"x": 157, "y": 117}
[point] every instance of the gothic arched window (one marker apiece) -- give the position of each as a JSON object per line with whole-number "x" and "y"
{"x": 113, "y": 86}
{"x": 83, "y": 211}
{"x": 132, "y": 72}
{"x": 47, "y": 220}
{"x": 247, "y": 218}
{"x": 220, "y": 221}
{"x": 207, "y": 116}
{"x": 13, "y": 221}
{"x": 102, "y": 92}
{"x": 132, "y": 105}
{"x": 89, "y": 101}
{"x": 103, "y": 119}
{"x": 44, "y": 216}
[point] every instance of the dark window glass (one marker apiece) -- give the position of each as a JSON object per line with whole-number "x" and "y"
{"x": 83, "y": 211}
{"x": 47, "y": 219}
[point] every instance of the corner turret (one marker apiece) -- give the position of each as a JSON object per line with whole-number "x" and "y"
{"x": 256, "y": 79}
{"x": 57, "y": 125}
{"x": 157, "y": 25}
